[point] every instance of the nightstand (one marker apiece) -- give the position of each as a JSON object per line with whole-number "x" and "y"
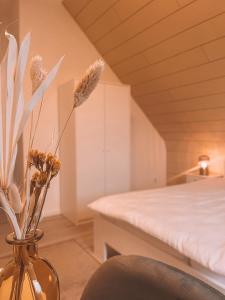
{"x": 195, "y": 177}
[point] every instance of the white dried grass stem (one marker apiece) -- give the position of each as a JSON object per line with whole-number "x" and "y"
{"x": 11, "y": 215}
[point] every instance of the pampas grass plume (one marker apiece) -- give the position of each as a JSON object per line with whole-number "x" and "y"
{"x": 37, "y": 73}
{"x": 88, "y": 82}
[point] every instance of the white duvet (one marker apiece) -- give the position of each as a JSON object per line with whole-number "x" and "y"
{"x": 188, "y": 217}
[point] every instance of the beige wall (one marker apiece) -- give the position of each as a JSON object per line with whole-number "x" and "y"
{"x": 54, "y": 33}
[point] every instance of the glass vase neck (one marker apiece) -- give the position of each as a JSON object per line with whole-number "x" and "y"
{"x": 30, "y": 238}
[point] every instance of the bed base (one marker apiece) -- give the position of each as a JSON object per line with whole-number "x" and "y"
{"x": 114, "y": 237}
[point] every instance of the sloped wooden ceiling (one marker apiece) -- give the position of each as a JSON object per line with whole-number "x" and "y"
{"x": 172, "y": 53}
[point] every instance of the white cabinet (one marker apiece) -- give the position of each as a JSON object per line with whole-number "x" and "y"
{"x": 95, "y": 150}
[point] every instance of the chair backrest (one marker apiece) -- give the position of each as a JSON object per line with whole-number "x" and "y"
{"x": 140, "y": 278}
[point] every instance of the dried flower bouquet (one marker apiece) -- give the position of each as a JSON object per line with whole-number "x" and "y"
{"x": 24, "y": 208}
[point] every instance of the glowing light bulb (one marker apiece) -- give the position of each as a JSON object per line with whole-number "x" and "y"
{"x": 203, "y": 162}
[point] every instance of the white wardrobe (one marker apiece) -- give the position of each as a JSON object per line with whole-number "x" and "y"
{"x": 95, "y": 150}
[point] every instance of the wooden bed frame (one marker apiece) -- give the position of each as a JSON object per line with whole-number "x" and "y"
{"x": 113, "y": 237}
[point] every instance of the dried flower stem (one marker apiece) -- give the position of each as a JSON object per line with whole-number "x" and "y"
{"x": 31, "y": 129}
{"x": 42, "y": 203}
{"x": 29, "y": 147}
{"x": 36, "y": 124}
{"x": 9, "y": 219}
{"x": 10, "y": 213}
{"x": 27, "y": 204}
{"x": 31, "y": 141}
{"x": 37, "y": 194}
{"x": 63, "y": 130}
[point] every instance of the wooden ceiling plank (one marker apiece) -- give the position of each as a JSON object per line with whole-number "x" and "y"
{"x": 197, "y": 36}
{"x": 152, "y": 14}
{"x": 216, "y": 114}
{"x": 195, "y": 136}
{"x": 163, "y": 97}
{"x": 194, "y": 37}
{"x": 75, "y": 7}
{"x": 155, "y": 101}
{"x": 125, "y": 9}
{"x": 137, "y": 62}
{"x": 180, "y": 22}
{"x": 134, "y": 7}
{"x": 200, "y": 89}
{"x": 195, "y": 75}
{"x": 215, "y": 49}
{"x": 184, "y": 2}
{"x": 175, "y": 64}
{"x": 94, "y": 10}
{"x": 108, "y": 21}
{"x": 215, "y": 126}
{"x": 207, "y": 102}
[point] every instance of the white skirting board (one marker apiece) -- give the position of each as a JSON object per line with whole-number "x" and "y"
{"x": 126, "y": 240}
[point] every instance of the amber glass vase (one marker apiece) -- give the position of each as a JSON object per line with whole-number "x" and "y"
{"x": 27, "y": 276}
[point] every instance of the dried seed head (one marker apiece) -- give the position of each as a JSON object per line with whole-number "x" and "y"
{"x": 50, "y": 158}
{"x": 88, "y": 82}
{"x": 42, "y": 179}
{"x": 33, "y": 182}
{"x": 41, "y": 159}
{"x": 49, "y": 161}
{"x": 56, "y": 167}
{"x": 33, "y": 157}
{"x": 37, "y": 73}
{"x": 35, "y": 176}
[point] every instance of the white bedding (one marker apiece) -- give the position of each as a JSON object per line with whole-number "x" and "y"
{"x": 188, "y": 217}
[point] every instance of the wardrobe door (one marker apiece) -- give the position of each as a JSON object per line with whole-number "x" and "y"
{"x": 89, "y": 136}
{"x": 117, "y": 139}
{"x": 67, "y": 173}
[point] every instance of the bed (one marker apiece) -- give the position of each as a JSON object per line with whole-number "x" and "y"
{"x": 183, "y": 226}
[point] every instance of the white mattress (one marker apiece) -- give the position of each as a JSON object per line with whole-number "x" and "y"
{"x": 188, "y": 217}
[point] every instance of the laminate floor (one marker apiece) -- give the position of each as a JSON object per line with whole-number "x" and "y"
{"x": 69, "y": 249}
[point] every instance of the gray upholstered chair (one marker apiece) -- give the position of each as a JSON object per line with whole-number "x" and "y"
{"x": 140, "y": 278}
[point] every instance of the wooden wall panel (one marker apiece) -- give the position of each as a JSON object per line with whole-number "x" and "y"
{"x": 172, "y": 53}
